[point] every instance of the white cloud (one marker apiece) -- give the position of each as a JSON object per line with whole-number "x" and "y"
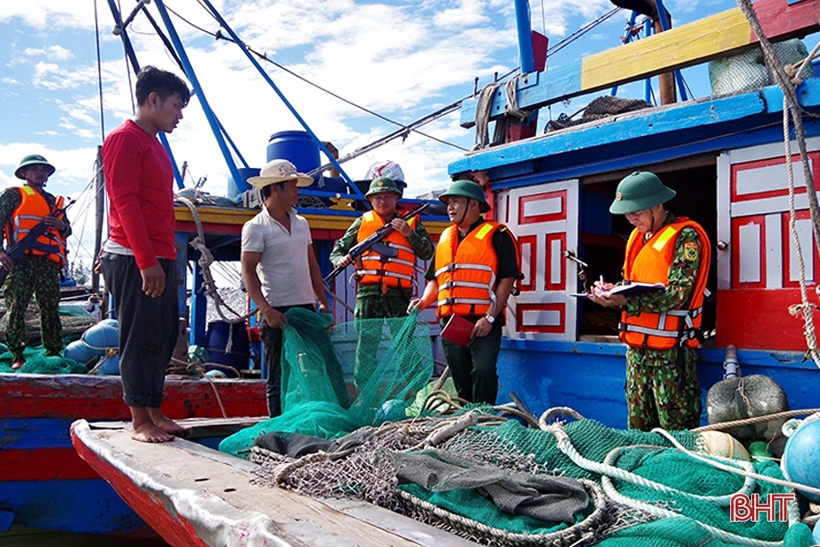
{"x": 469, "y": 12}
{"x": 53, "y": 52}
{"x": 46, "y": 14}
{"x": 401, "y": 59}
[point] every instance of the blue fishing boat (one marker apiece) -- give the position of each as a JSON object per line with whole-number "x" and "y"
{"x": 724, "y": 155}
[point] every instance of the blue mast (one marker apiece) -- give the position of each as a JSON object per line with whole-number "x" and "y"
{"x": 120, "y": 28}
{"x": 268, "y": 79}
{"x": 189, "y": 71}
{"x": 522, "y": 23}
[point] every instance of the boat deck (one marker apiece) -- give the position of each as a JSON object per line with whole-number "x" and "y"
{"x": 188, "y": 491}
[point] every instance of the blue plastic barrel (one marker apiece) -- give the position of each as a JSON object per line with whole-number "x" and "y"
{"x": 216, "y": 340}
{"x": 235, "y": 188}
{"x": 296, "y": 147}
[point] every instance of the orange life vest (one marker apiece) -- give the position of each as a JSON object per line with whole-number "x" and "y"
{"x": 32, "y": 209}
{"x": 398, "y": 271}
{"x": 466, "y": 271}
{"x": 649, "y": 263}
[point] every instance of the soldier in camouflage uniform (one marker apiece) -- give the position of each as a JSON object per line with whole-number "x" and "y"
{"x": 385, "y": 286}
{"x": 662, "y": 327}
{"x": 37, "y": 272}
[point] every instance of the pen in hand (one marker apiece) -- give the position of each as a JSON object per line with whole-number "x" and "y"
{"x": 602, "y": 285}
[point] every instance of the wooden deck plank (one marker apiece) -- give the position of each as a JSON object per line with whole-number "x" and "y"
{"x": 225, "y": 492}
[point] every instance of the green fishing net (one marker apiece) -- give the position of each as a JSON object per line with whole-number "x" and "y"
{"x": 74, "y": 319}
{"x": 658, "y": 495}
{"x": 337, "y": 378}
{"x": 696, "y": 491}
{"x": 38, "y": 363}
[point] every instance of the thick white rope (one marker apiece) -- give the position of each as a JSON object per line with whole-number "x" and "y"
{"x": 780, "y": 482}
{"x": 565, "y": 445}
{"x": 205, "y": 261}
{"x": 606, "y": 469}
{"x": 721, "y": 501}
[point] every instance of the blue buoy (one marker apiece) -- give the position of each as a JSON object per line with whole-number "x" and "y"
{"x": 111, "y": 366}
{"x": 80, "y": 352}
{"x": 801, "y": 457}
{"x": 103, "y": 336}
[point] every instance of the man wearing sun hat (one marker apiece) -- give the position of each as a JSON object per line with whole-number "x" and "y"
{"x": 385, "y": 284}
{"x": 661, "y": 328}
{"x": 277, "y": 258}
{"x": 38, "y": 271}
{"x": 472, "y": 276}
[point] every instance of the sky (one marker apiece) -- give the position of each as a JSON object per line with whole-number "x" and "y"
{"x": 402, "y": 59}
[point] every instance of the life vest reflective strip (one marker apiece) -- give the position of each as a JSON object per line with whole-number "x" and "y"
{"x": 649, "y": 263}
{"x": 32, "y": 209}
{"x": 398, "y": 271}
{"x": 466, "y": 272}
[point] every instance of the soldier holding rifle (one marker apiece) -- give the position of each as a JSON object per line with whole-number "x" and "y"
{"x": 385, "y": 284}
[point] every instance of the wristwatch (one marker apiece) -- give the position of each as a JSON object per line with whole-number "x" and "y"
{"x": 490, "y": 318}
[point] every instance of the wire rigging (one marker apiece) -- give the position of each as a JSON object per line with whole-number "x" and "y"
{"x": 128, "y": 70}
{"x": 99, "y": 71}
{"x": 581, "y": 31}
{"x": 263, "y": 56}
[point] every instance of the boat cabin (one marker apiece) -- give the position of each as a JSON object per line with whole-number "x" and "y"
{"x": 724, "y": 156}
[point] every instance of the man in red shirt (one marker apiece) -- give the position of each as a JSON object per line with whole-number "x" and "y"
{"x": 138, "y": 259}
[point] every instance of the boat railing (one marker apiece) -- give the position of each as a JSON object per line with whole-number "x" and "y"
{"x": 688, "y": 45}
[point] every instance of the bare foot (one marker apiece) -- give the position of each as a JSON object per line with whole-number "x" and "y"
{"x": 168, "y": 425}
{"x": 150, "y": 433}
{"x": 18, "y": 364}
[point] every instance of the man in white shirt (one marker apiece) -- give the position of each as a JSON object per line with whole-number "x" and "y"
{"x": 277, "y": 256}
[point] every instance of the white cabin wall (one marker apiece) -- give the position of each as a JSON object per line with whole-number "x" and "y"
{"x": 544, "y": 220}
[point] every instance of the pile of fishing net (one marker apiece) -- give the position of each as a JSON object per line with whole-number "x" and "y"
{"x": 747, "y": 71}
{"x": 74, "y": 319}
{"x": 338, "y": 378}
{"x": 497, "y": 476}
{"x": 497, "y": 482}
{"x": 37, "y": 362}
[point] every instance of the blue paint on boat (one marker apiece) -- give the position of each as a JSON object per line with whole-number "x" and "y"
{"x": 590, "y": 377}
{"x": 82, "y": 506}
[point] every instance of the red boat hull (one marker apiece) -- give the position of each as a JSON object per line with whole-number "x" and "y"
{"x": 44, "y": 482}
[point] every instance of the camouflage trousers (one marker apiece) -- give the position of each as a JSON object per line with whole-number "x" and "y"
{"x": 38, "y": 276}
{"x": 662, "y": 389}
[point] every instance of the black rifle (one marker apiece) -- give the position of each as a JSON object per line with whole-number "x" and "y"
{"x": 17, "y": 250}
{"x": 374, "y": 243}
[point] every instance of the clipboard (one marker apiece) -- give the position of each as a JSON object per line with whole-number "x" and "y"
{"x": 628, "y": 289}
{"x": 457, "y": 330}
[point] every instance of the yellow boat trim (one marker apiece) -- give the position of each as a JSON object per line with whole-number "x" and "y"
{"x": 237, "y": 216}
{"x": 720, "y": 35}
